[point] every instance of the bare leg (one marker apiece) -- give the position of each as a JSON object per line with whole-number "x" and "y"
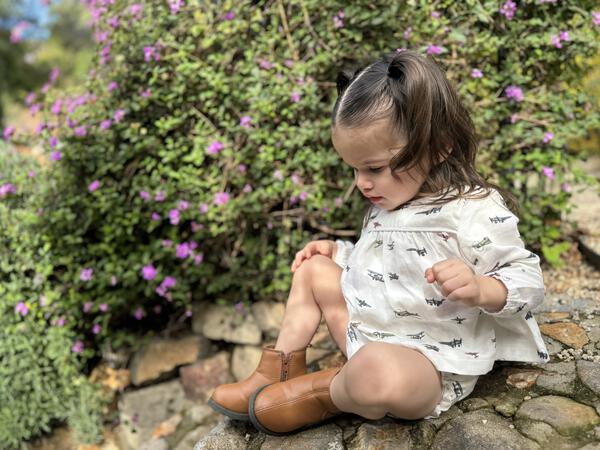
{"x": 316, "y": 290}
{"x": 383, "y": 377}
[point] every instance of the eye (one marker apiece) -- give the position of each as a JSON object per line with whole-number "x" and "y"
{"x": 375, "y": 169}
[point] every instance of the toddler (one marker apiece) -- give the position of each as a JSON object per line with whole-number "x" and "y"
{"x": 436, "y": 289}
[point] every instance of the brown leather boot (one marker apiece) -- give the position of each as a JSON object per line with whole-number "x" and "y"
{"x": 282, "y": 407}
{"x": 232, "y": 399}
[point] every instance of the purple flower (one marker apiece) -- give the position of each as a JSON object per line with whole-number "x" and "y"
{"x": 555, "y": 40}
{"x": 183, "y": 205}
{"x": 77, "y": 347}
{"x": 103, "y": 307}
{"x": 80, "y": 131}
{"x": 247, "y": 188}
{"x": 564, "y": 36}
{"x": 31, "y": 173}
{"x": 215, "y": 147}
{"x": 548, "y": 137}
{"x": 175, "y": 6}
{"x": 112, "y": 86}
{"x": 56, "y": 107}
{"x": 188, "y": 313}
{"x": 476, "y": 73}
{"x": 338, "y": 201}
{"x": 239, "y": 307}
{"x": 566, "y": 187}
{"x": 337, "y": 22}
{"x": 35, "y": 108}
{"x": 203, "y": 208}
{"x": 113, "y": 21}
{"x": 105, "y": 124}
{"x": 146, "y": 93}
{"x": 242, "y": 168}
{"x": 245, "y": 121}
{"x": 198, "y": 258}
{"x": 434, "y": 50}
{"x": 221, "y": 198}
{"x": 514, "y": 92}
{"x": 295, "y": 97}
{"x": 55, "y": 156}
{"x": 174, "y": 216}
{"x": 168, "y": 282}
{"x": 16, "y": 34}
{"x": 30, "y": 98}
{"x": 265, "y": 64}
{"x": 113, "y": 280}
{"x": 167, "y": 243}
{"x": 22, "y": 309}
{"x": 87, "y": 307}
{"x": 86, "y": 274}
{"x": 435, "y": 14}
{"x": 43, "y": 301}
{"x": 119, "y": 113}
{"x": 54, "y": 73}
{"x": 155, "y": 216}
{"x": 160, "y": 196}
{"x": 303, "y": 195}
{"x": 548, "y": 172}
{"x": 596, "y": 18}
{"x": 139, "y": 313}
{"x": 53, "y": 142}
{"x": 60, "y": 321}
{"x": 94, "y": 185}
{"x": 7, "y": 188}
{"x": 182, "y": 251}
{"x": 508, "y": 9}
{"x": 8, "y": 132}
{"x": 135, "y": 9}
{"x": 407, "y": 33}
{"x": 514, "y": 118}
{"x": 229, "y": 15}
{"x": 149, "y": 272}
{"x": 278, "y": 175}
{"x": 96, "y": 328}
{"x": 196, "y": 226}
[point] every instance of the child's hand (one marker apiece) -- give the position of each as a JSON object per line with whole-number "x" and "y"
{"x": 322, "y": 247}
{"x": 457, "y": 280}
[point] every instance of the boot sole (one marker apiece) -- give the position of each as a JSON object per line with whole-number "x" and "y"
{"x": 254, "y": 419}
{"x": 227, "y": 412}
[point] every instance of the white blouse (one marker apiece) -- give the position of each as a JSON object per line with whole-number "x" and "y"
{"x": 390, "y": 300}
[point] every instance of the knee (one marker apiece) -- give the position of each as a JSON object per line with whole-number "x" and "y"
{"x": 312, "y": 267}
{"x": 367, "y": 379}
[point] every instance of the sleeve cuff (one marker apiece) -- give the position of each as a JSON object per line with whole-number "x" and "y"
{"x": 514, "y": 301}
{"x": 344, "y": 248}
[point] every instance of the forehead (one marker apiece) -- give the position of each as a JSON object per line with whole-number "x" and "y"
{"x": 359, "y": 146}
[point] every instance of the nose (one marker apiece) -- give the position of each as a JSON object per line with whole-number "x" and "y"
{"x": 363, "y": 182}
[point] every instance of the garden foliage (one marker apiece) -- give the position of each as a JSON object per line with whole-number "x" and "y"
{"x": 196, "y": 158}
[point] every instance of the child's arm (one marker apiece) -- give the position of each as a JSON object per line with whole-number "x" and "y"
{"x": 341, "y": 252}
{"x": 491, "y": 246}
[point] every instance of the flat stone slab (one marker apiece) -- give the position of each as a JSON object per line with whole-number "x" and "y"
{"x": 328, "y": 437}
{"x": 566, "y": 416}
{"x": 481, "y": 429}
{"x": 568, "y": 333}
{"x": 558, "y": 378}
{"x": 589, "y": 374}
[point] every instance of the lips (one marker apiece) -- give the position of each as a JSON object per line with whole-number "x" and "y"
{"x": 374, "y": 199}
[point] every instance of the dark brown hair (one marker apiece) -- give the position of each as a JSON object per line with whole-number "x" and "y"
{"x": 412, "y": 92}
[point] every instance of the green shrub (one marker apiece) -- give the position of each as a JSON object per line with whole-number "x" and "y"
{"x": 219, "y": 124}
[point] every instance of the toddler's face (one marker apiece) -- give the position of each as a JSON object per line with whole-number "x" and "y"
{"x": 369, "y": 151}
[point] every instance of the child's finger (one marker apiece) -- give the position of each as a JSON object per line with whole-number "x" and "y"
{"x": 429, "y": 275}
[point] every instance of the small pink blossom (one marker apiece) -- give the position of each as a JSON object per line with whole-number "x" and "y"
{"x": 182, "y": 250}
{"x": 278, "y": 175}
{"x": 175, "y": 6}
{"x": 221, "y": 198}
{"x": 508, "y": 9}
{"x": 94, "y": 185}
{"x": 203, "y": 208}
{"x": 113, "y": 280}
{"x": 16, "y": 34}
{"x": 167, "y": 243}
{"x": 149, "y": 272}
{"x": 434, "y": 50}
{"x": 103, "y": 307}
{"x": 139, "y": 313}
{"x": 245, "y": 121}
{"x": 87, "y": 307}
{"x": 30, "y": 98}
{"x": 596, "y": 18}
{"x": 548, "y": 137}
{"x": 105, "y": 124}
{"x": 435, "y": 14}
{"x": 564, "y": 36}
{"x": 155, "y": 216}
{"x": 476, "y": 73}
{"x": 303, "y": 195}
{"x": 80, "y": 131}
{"x": 174, "y": 216}
{"x": 96, "y": 328}
{"x": 566, "y": 187}
{"x": 56, "y": 156}
{"x": 338, "y": 201}
{"x": 183, "y": 205}
{"x": 295, "y": 97}
{"x": 215, "y": 147}
{"x": 119, "y": 114}
{"x": 198, "y": 258}
{"x": 160, "y": 196}
{"x": 548, "y": 172}
{"x": 8, "y": 132}
{"x": 54, "y": 74}
{"x": 6, "y": 189}
{"x": 53, "y": 142}
{"x": 77, "y": 347}
{"x": 56, "y": 107}
{"x": 229, "y": 15}
{"x": 514, "y": 92}
{"x": 514, "y": 118}
{"x": 555, "y": 40}
{"x": 112, "y": 86}
{"x": 22, "y": 309}
{"x": 247, "y": 188}
{"x": 86, "y": 274}
{"x": 407, "y": 33}
{"x": 188, "y": 313}
{"x": 242, "y": 168}
{"x": 43, "y": 301}
{"x": 146, "y": 93}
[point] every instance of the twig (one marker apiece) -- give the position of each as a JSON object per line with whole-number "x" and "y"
{"x": 287, "y": 31}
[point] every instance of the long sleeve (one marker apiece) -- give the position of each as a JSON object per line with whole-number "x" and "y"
{"x": 490, "y": 242}
{"x": 344, "y": 248}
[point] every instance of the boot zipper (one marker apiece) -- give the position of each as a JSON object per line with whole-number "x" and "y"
{"x": 285, "y": 366}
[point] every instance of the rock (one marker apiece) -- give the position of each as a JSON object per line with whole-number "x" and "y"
{"x": 166, "y": 427}
{"x": 268, "y": 316}
{"x": 444, "y": 417}
{"x": 558, "y": 378}
{"x": 162, "y": 356}
{"x": 220, "y": 322}
{"x": 480, "y": 429}
{"x": 523, "y": 379}
{"x": 226, "y": 435}
{"x": 546, "y": 436}
{"x": 566, "y": 416}
{"x": 568, "y": 333}
{"x": 154, "y": 444}
{"x": 551, "y": 317}
{"x": 192, "y": 437}
{"x": 473, "y": 404}
{"x": 591, "y": 446}
{"x": 314, "y": 354}
{"x": 553, "y": 346}
{"x": 336, "y": 359}
{"x": 142, "y": 410}
{"x": 201, "y": 413}
{"x": 328, "y": 436}
{"x": 589, "y": 374}
{"x": 245, "y": 360}
{"x": 200, "y": 379}
{"x": 382, "y": 435}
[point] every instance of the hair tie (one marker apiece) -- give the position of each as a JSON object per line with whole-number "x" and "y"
{"x": 394, "y": 72}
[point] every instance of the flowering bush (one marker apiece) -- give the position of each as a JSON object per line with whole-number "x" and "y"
{"x": 196, "y": 160}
